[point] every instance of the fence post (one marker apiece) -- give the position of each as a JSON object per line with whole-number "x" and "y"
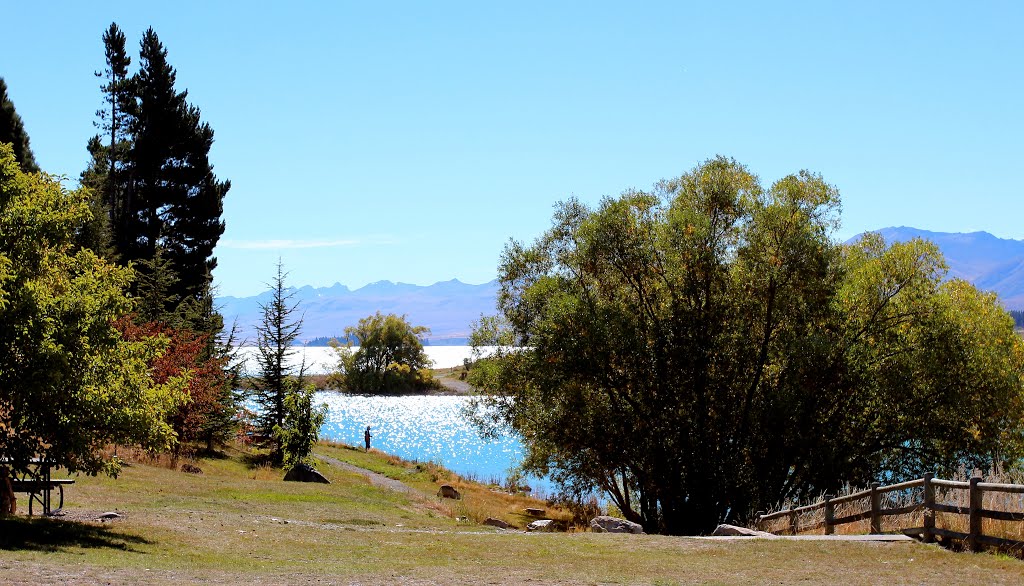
{"x": 830, "y": 515}
{"x": 975, "y": 515}
{"x": 929, "y": 509}
{"x": 794, "y": 523}
{"x": 758, "y": 521}
{"x": 876, "y": 506}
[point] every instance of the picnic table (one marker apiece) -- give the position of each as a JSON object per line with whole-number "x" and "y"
{"x": 40, "y": 486}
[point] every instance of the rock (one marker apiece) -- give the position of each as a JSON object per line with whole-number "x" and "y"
{"x": 535, "y": 512}
{"x": 496, "y": 523}
{"x": 191, "y": 468}
{"x": 542, "y": 525}
{"x": 448, "y": 491}
{"x": 734, "y": 531}
{"x": 606, "y": 524}
{"x": 108, "y": 516}
{"x": 305, "y": 473}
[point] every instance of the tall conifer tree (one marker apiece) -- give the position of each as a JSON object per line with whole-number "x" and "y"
{"x": 106, "y": 175}
{"x": 12, "y": 130}
{"x": 177, "y": 199}
{"x": 276, "y": 333}
{"x": 152, "y": 165}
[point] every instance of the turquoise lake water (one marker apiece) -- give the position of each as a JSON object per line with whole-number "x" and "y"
{"x": 423, "y": 428}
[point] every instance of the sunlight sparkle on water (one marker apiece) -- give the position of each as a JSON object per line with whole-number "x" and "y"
{"x": 423, "y": 428}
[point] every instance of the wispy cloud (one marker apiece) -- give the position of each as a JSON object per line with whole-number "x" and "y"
{"x": 296, "y": 244}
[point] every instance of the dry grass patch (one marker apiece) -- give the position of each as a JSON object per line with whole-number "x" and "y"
{"x": 478, "y": 502}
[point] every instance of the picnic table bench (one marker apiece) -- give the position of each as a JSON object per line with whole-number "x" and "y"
{"x": 39, "y": 486}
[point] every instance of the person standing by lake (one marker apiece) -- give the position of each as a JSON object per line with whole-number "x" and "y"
{"x": 367, "y": 436}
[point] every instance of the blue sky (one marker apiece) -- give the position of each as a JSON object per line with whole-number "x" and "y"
{"x": 409, "y": 141}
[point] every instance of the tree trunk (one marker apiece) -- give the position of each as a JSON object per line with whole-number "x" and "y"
{"x": 8, "y": 503}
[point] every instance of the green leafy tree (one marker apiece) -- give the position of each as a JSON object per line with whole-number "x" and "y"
{"x": 706, "y": 350}
{"x": 70, "y": 385}
{"x": 12, "y": 131}
{"x": 302, "y": 423}
{"x": 390, "y": 358}
{"x": 277, "y": 378}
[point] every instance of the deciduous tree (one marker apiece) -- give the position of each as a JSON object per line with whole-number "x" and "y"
{"x": 390, "y": 358}
{"x": 69, "y": 383}
{"x": 302, "y": 423}
{"x": 706, "y": 350}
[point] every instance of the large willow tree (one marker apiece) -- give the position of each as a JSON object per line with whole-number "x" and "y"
{"x": 706, "y": 350}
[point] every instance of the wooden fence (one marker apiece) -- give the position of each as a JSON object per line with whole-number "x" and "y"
{"x": 975, "y": 538}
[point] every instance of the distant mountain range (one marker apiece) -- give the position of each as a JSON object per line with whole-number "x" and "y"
{"x": 449, "y": 307}
{"x": 992, "y": 264}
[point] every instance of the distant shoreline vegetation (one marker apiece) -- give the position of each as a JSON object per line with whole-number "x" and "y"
{"x": 324, "y": 341}
{"x": 1018, "y": 317}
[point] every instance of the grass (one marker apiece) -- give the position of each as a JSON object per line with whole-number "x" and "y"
{"x": 228, "y": 526}
{"x": 479, "y": 501}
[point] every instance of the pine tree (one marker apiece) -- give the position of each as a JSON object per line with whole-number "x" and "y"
{"x": 154, "y": 280}
{"x": 12, "y": 130}
{"x": 277, "y": 331}
{"x": 106, "y": 174}
{"x": 176, "y": 200}
{"x": 222, "y": 424}
{"x": 151, "y": 166}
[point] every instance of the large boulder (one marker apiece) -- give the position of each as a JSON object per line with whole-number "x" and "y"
{"x": 305, "y": 473}
{"x": 542, "y": 525}
{"x": 734, "y": 531}
{"x": 496, "y": 523}
{"x": 606, "y": 524}
{"x": 448, "y": 491}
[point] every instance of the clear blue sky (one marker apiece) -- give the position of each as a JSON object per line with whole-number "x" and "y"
{"x": 409, "y": 141}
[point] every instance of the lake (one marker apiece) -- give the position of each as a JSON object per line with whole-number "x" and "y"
{"x": 425, "y": 428}
{"x": 418, "y": 427}
{"x": 322, "y": 359}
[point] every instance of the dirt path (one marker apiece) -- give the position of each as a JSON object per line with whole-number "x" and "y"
{"x": 455, "y": 386}
{"x": 375, "y": 478}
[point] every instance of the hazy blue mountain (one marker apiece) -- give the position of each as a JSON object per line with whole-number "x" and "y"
{"x": 991, "y": 263}
{"x": 447, "y": 307}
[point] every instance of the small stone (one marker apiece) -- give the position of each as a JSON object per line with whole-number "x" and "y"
{"x": 535, "y": 512}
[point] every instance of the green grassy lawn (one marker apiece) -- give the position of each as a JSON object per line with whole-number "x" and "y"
{"x": 235, "y": 524}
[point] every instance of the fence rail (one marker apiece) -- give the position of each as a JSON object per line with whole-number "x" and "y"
{"x": 974, "y": 538}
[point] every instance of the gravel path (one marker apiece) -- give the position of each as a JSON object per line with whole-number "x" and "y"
{"x": 455, "y": 386}
{"x": 375, "y": 478}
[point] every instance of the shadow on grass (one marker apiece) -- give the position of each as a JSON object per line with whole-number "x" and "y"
{"x": 212, "y": 454}
{"x": 258, "y": 459}
{"x": 41, "y": 534}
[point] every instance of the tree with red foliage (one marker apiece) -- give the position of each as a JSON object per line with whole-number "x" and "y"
{"x": 209, "y": 389}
